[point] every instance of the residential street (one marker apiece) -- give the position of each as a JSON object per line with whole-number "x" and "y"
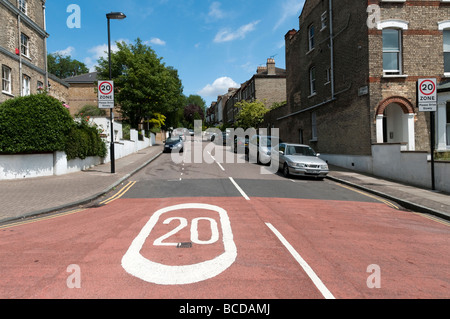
{"x": 242, "y": 235}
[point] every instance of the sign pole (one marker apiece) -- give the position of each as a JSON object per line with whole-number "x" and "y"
{"x": 111, "y": 115}
{"x": 433, "y": 141}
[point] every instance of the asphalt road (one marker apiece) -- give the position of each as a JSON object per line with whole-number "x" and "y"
{"x": 221, "y": 230}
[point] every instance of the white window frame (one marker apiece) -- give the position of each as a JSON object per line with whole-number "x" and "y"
{"x": 24, "y": 45}
{"x": 324, "y": 20}
{"x": 312, "y": 81}
{"x": 311, "y": 36}
{"x": 444, "y": 26}
{"x": 328, "y": 76}
{"x": 399, "y": 53}
{"x": 26, "y": 85}
{"x": 23, "y": 6}
{"x": 6, "y": 79}
{"x": 446, "y": 73}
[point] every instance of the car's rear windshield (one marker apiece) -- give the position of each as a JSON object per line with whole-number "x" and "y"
{"x": 299, "y": 150}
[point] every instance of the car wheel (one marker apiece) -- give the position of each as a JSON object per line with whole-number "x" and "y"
{"x": 286, "y": 170}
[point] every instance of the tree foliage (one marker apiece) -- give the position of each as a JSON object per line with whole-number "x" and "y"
{"x": 144, "y": 85}
{"x": 64, "y": 66}
{"x": 193, "y": 112}
{"x": 251, "y": 114}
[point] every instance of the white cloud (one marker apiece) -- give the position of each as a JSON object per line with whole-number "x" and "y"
{"x": 100, "y": 51}
{"x": 226, "y": 35}
{"x": 215, "y": 11}
{"x": 289, "y": 9}
{"x": 157, "y": 41}
{"x": 219, "y": 87}
{"x": 67, "y": 51}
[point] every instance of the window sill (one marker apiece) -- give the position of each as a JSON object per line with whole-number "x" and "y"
{"x": 307, "y": 53}
{"x": 447, "y": 74}
{"x": 312, "y": 95}
{"x": 313, "y": 140}
{"x": 7, "y": 93}
{"x": 390, "y": 76}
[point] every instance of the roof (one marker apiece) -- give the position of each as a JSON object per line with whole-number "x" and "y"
{"x": 278, "y": 71}
{"x": 83, "y": 78}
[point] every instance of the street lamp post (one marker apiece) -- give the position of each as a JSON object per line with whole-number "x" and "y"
{"x": 109, "y": 16}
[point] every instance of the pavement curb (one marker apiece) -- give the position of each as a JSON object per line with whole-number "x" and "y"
{"x": 406, "y": 204}
{"x": 81, "y": 201}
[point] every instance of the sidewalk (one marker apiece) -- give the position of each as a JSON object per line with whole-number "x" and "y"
{"x": 34, "y": 196}
{"x": 410, "y": 197}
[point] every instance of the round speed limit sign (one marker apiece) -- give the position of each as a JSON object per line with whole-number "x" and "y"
{"x": 106, "y": 94}
{"x": 427, "y": 95}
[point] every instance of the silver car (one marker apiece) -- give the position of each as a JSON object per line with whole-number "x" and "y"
{"x": 301, "y": 160}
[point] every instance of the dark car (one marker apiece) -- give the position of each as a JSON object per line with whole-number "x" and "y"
{"x": 241, "y": 144}
{"x": 174, "y": 143}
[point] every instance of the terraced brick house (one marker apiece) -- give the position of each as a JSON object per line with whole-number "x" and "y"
{"x": 352, "y": 71}
{"x": 23, "y": 51}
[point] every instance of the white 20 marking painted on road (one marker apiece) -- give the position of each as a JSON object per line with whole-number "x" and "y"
{"x": 135, "y": 264}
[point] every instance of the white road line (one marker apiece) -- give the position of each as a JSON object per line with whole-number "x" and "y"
{"x": 312, "y": 275}
{"x": 221, "y": 167}
{"x": 239, "y": 189}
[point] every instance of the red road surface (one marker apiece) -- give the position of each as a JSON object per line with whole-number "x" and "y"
{"x": 338, "y": 240}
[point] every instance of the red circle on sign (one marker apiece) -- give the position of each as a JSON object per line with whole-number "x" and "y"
{"x": 100, "y": 88}
{"x": 420, "y": 87}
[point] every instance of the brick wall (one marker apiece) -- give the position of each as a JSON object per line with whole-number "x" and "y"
{"x": 343, "y": 124}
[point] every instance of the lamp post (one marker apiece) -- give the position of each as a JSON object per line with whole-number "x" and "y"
{"x": 109, "y": 16}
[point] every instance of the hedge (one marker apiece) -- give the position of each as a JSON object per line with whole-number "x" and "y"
{"x": 33, "y": 124}
{"x": 40, "y": 123}
{"x": 84, "y": 140}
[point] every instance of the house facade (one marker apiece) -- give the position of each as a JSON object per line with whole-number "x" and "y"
{"x": 267, "y": 85}
{"x": 23, "y": 51}
{"x": 352, "y": 72}
{"x": 82, "y": 91}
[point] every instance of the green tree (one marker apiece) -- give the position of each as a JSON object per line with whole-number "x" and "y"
{"x": 144, "y": 85}
{"x": 196, "y": 100}
{"x": 251, "y": 114}
{"x": 64, "y": 66}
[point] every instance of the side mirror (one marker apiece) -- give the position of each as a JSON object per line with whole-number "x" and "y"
{"x": 281, "y": 152}
{"x": 317, "y": 154}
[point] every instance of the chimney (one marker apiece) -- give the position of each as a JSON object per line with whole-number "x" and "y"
{"x": 271, "y": 66}
{"x": 261, "y": 69}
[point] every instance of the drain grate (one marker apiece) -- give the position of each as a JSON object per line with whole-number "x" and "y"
{"x": 184, "y": 245}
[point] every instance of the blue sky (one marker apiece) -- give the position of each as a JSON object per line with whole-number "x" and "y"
{"x": 213, "y": 44}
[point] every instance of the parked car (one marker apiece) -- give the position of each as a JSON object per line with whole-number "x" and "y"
{"x": 174, "y": 143}
{"x": 261, "y": 146}
{"x": 300, "y": 160}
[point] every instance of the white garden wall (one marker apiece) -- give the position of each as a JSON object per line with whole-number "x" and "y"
{"x": 21, "y": 166}
{"x": 389, "y": 161}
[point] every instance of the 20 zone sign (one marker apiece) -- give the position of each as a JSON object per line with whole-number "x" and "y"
{"x": 106, "y": 95}
{"x": 427, "y": 95}
{"x": 153, "y": 255}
